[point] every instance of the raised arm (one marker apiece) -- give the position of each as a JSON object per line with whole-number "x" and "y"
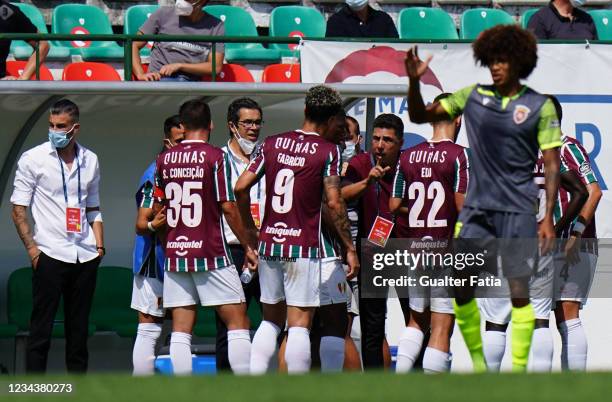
{"x": 417, "y": 110}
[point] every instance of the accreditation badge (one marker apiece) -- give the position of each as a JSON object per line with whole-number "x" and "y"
{"x": 74, "y": 220}
{"x": 381, "y": 231}
{"x": 256, "y": 216}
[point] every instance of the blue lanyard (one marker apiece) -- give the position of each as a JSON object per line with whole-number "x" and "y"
{"x": 64, "y": 177}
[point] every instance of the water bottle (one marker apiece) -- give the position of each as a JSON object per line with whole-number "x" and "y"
{"x": 246, "y": 276}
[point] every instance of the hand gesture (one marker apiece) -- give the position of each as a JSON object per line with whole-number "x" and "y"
{"x": 415, "y": 67}
{"x": 377, "y": 172}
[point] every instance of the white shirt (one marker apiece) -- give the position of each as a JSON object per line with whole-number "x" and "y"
{"x": 258, "y": 191}
{"x": 38, "y": 183}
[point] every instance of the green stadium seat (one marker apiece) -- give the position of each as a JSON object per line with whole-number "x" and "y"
{"x": 476, "y": 20}
{"x": 111, "y": 310}
{"x": 85, "y": 19}
{"x": 238, "y": 22}
{"x": 527, "y": 16}
{"x": 19, "y": 305}
{"x": 603, "y": 23}
{"x": 21, "y": 49}
{"x": 426, "y": 23}
{"x": 295, "y": 21}
{"x": 135, "y": 16}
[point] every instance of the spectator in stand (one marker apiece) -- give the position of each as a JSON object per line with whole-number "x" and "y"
{"x": 562, "y": 19}
{"x": 356, "y": 19}
{"x": 12, "y": 20}
{"x": 180, "y": 61}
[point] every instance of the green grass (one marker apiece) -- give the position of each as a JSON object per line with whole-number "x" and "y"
{"x": 371, "y": 387}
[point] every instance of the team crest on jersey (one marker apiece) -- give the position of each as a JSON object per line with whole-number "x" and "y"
{"x": 585, "y": 168}
{"x": 521, "y": 112}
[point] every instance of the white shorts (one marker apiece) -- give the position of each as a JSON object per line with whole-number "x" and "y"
{"x": 209, "y": 288}
{"x": 296, "y": 281}
{"x": 443, "y": 305}
{"x": 573, "y": 282}
{"x": 352, "y": 304}
{"x": 147, "y": 295}
{"x": 334, "y": 289}
{"x": 499, "y": 310}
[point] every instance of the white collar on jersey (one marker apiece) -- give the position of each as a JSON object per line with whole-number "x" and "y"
{"x": 436, "y": 142}
{"x": 190, "y": 141}
{"x": 306, "y": 132}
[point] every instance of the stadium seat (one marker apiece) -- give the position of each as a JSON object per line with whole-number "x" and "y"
{"x": 238, "y": 22}
{"x": 135, "y": 16}
{"x": 295, "y": 21}
{"x": 90, "y": 71}
{"x": 21, "y": 49}
{"x": 15, "y": 68}
{"x": 476, "y": 20}
{"x": 85, "y": 19}
{"x": 111, "y": 310}
{"x": 19, "y": 304}
{"x": 527, "y": 16}
{"x": 603, "y": 23}
{"x": 281, "y": 73}
{"x": 426, "y": 23}
{"x": 232, "y": 73}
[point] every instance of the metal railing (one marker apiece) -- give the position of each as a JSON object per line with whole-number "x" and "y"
{"x": 214, "y": 40}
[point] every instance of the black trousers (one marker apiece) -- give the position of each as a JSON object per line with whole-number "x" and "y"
{"x": 252, "y": 292}
{"x": 372, "y": 315}
{"x": 51, "y": 280}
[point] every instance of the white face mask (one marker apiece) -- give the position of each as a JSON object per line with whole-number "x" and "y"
{"x": 356, "y": 4}
{"x": 245, "y": 144}
{"x": 183, "y": 8}
{"x": 577, "y": 3}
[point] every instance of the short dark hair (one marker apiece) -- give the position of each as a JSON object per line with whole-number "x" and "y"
{"x": 390, "y": 121}
{"x": 322, "y": 103}
{"x": 233, "y": 110}
{"x": 509, "y": 43}
{"x": 68, "y": 107}
{"x": 354, "y": 121}
{"x": 557, "y": 105}
{"x": 443, "y": 95}
{"x": 170, "y": 123}
{"x": 195, "y": 115}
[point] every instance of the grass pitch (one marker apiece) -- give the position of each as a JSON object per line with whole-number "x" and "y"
{"x": 371, "y": 387}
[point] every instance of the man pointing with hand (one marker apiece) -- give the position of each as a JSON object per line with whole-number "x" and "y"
{"x": 369, "y": 180}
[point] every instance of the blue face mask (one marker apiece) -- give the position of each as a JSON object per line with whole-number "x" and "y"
{"x": 349, "y": 151}
{"x": 356, "y": 4}
{"x": 60, "y": 139}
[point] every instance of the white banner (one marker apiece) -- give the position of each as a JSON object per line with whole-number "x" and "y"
{"x": 579, "y": 74}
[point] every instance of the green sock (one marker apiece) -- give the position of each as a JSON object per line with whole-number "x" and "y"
{"x": 523, "y": 322}
{"x": 467, "y": 317}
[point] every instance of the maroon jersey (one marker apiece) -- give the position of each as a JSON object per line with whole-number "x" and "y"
{"x": 294, "y": 164}
{"x": 194, "y": 178}
{"x": 375, "y": 199}
{"x": 574, "y": 157}
{"x": 428, "y": 176}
